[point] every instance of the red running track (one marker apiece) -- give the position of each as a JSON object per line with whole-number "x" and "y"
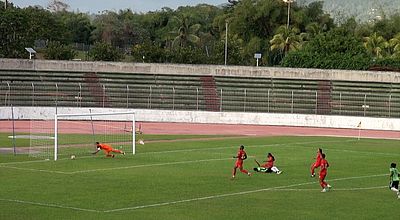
{"x": 222, "y": 129}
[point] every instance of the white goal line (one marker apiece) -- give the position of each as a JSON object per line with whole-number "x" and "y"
{"x": 116, "y": 168}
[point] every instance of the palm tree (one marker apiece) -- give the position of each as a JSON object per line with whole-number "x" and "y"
{"x": 286, "y": 39}
{"x": 376, "y": 45}
{"x": 394, "y": 43}
{"x": 313, "y": 29}
{"x": 186, "y": 33}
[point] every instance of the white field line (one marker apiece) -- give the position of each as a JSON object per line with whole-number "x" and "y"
{"x": 120, "y": 168}
{"x": 365, "y": 152}
{"x": 350, "y": 136}
{"x": 344, "y": 189}
{"x": 150, "y": 165}
{"x": 35, "y": 170}
{"x": 233, "y": 194}
{"x": 250, "y": 146}
{"x": 24, "y": 162}
{"x": 277, "y": 188}
{"x": 48, "y": 205}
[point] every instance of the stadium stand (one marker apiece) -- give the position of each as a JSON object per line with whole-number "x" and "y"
{"x": 196, "y": 92}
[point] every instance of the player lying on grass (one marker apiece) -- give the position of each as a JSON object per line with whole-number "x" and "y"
{"x": 317, "y": 162}
{"x": 322, "y": 174}
{"x": 241, "y": 156}
{"x": 268, "y": 167}
{"x": 394, "y": 179}
{"x": 107, "y": 150}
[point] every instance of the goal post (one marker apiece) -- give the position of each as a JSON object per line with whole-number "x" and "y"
{"x": 77, "y": 134}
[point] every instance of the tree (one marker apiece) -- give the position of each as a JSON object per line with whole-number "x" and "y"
{"x": 235, "y": 52}
{"x": 186, "y": 33}
{"x": 375, "y": 45}
{"x": 257, "y": 18}
{"x": 286, "y": 40}
{"x": 43, "y": 25}
{"x": 78, "y": 27}
{"x": 120, "y": 29}
{"x": 148, "y": 53}
{"x": 395, "y": 45}
{"x": 335, "y": 49}
{"x": 103, "y": 51}
{"x": 56, "y": 51}
{"x": 313, "y": 29}
{"x": 14, "y": 33}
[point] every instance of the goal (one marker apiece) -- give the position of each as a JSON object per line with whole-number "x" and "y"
{"x": 77, "y": 134}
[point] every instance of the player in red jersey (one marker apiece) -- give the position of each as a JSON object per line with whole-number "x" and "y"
{"x": 317, "y": 162}
{"x": 322, "y": 174}
{"x": 107, "y": 150}
{"x": 268, "y": 167}
{"x": 241, "y": 156}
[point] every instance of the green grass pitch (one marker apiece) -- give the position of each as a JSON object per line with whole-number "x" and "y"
{"x": 190, "y": 179}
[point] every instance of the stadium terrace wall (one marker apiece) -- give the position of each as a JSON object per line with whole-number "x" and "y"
{"x": 303, "y": 120}
{"x": 203, "y": 70}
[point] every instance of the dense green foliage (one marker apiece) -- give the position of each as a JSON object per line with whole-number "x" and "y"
{"x": 57, "y": 51}
{"x": 197, "y": 34}
{"x": 187, "y": 179}
{"x": 103, "y": 51}
{"x": 330, "y": 50}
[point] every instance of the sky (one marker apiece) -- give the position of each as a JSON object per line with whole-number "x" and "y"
{"x": 96, "y": 6}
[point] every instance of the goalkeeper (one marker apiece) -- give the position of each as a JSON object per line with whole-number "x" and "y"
{"x": 107, "y": 150}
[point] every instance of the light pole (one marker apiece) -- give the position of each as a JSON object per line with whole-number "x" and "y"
{"x": 288, "y": 11}
{"x": 226, "y": 41}
{"x": 5, "y": 4}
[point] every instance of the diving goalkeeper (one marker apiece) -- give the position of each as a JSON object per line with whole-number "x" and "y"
{"x": 107, "y": 150}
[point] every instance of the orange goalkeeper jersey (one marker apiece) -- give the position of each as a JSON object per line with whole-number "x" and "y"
{"x": 104, "y": 147}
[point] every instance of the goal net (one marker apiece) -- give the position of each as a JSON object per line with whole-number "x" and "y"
{"x": 77, "y": 134}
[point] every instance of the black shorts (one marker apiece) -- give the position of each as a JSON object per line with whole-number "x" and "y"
{"x": 263, "y": 170}
{"x": 395, "y": 184}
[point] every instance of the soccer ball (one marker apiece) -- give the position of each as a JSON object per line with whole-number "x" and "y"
{"x": 72, "y": 157}
{"x": 141, "y": 142}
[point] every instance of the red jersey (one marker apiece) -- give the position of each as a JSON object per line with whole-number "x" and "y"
{"x": 319, "y": 157}
{"x": 324, "y": 166}
{"x": 241, "y": 155}
{"x": 104, "y": 147}
{"x": 270, "y": 162}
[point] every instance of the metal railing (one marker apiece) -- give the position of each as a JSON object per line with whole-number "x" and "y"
{"x": 377, "y": 104}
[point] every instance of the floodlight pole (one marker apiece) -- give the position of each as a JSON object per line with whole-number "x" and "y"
{"x": 226, "y": 42}
{"x": 288, "y": 12}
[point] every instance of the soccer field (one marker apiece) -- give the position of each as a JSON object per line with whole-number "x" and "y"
{"x": 180, "y": 177}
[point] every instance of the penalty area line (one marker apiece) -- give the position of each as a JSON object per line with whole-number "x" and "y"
{"x": 49, "y": 205}
{"x": 35, "y": 170}
{"x": 233, "y": 194}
